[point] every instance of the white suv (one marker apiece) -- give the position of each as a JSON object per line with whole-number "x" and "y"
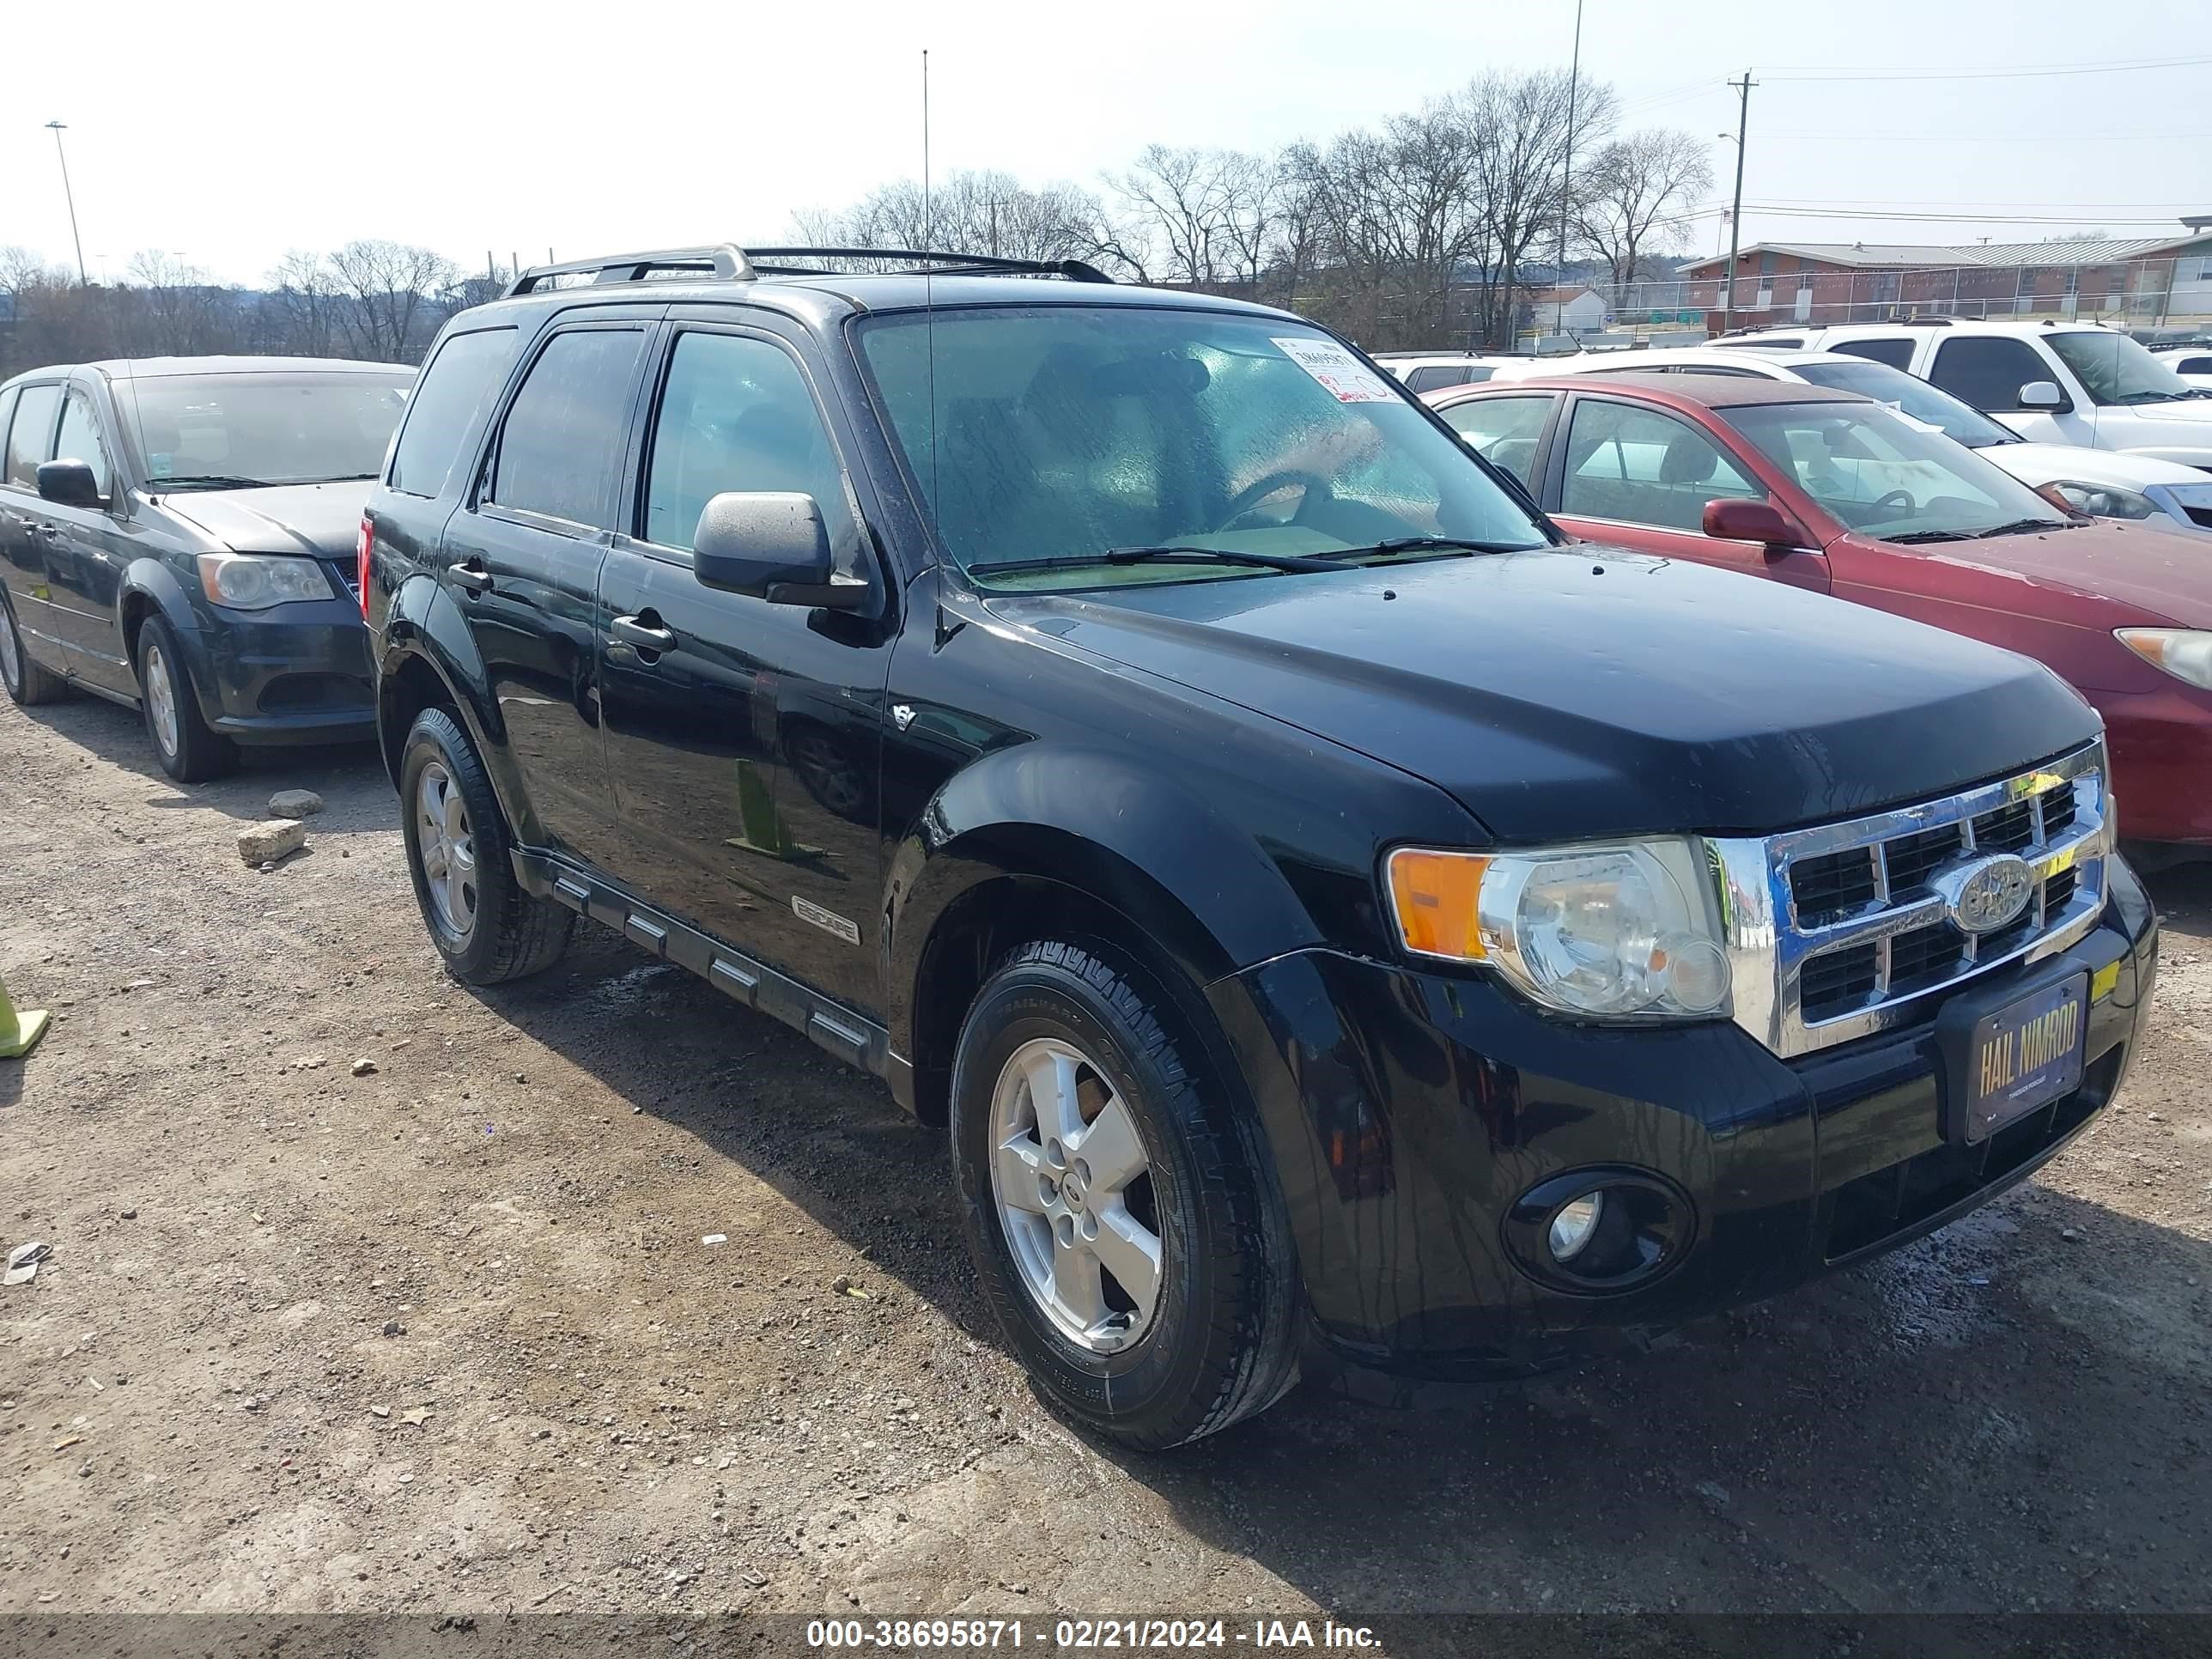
{"x": 1433, "y": 371}
{"x": 2066, "y": 383}
{"x": 2102, "y": 483}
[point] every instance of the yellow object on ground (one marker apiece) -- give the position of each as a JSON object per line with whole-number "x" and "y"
{"x": 20, "y": 1030}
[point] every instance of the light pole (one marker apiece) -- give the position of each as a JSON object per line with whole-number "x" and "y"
{"x": 1567, "y": 161}
{"x": 68, "y": 195}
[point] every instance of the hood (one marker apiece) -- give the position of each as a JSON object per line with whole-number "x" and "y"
{"x": 2157, "y": 574}
{"x": 1560, "y": 696}
{"x": 2041, "y": 464}
{"x": 323, "y": 518}
{"x": 2179, "y": 432}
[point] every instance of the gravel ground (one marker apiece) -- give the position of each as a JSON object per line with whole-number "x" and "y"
{"x": 445, "y": 1336}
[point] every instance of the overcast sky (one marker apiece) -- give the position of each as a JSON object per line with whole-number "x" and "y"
{"x": 229, "y": 132}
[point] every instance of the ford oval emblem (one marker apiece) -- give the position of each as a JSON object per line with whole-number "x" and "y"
{"x": 1986, "y": 894}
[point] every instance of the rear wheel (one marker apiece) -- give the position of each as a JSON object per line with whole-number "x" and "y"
{"x": 26, "y": 681}
{"x": 1116, "y": 1203}
{"x": 189, "y": 749}
{"x": 484, "y": 925}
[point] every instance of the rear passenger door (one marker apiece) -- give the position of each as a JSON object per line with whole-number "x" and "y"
{"x": 1641, "y": 477}
{"x": 522, "y": 555}
{"x": 1989, "y": 370}
{"x": 27, "y": 528}
{"x": 744, "y": 739}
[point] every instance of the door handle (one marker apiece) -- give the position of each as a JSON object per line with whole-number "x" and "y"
{"x": 471, "y": 575}
{"x": 636, "y": 630}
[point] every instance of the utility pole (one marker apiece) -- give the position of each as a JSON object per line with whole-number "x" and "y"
{"x": 1736, "y": 213}
{"x": 1567, "y": 173}
{"x": 68, "y": 195}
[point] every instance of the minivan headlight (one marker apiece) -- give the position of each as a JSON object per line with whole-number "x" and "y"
{"x": 2184, "y": 653}
{"x": 254, "y": 581}
{"x": 1627, "y": 930}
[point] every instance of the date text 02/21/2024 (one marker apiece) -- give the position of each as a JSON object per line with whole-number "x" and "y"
{"x": 1084, "y": 1635}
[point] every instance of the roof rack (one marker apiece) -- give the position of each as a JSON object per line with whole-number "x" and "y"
{"x": 726, "y": 262}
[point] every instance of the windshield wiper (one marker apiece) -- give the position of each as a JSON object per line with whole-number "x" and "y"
{"x": 2021, "y": 526}
{"x": 1171, "y": 554}
{"x": 1910, "y": 537}
{"x": 207, "y": 481}
{"x": 2161, "y": 397}
{"x": 1438, "y": 543}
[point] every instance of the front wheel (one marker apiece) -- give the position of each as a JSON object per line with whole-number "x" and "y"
{"x": 190, "y": 750}
{"x": 484, "y": 925}
{"x": 1116, "y": 1202}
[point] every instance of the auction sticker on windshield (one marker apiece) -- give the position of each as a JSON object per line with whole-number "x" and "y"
{"x": 1337, "y": 369}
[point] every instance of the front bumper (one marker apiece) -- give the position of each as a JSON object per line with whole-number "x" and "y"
{"x": 293, "y": 674}
{"x": 1406, "y": 1111}
{"x": 2160, "y": 743}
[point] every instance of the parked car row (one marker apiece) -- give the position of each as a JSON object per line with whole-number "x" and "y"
{"x": 177, "y": 535}
{"x": 1324, "y": 902}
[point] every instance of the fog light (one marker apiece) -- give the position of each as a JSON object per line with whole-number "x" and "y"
{"x": 1573, "y": 1224}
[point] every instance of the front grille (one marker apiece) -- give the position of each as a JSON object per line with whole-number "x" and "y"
{"x": 1861, "y": 924}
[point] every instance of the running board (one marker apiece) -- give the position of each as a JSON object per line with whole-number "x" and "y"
{"x": 830, "y": 1026}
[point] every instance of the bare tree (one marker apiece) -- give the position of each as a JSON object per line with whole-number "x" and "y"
{"x": 1631, "y": 196}
{"x": 1183, "y": 202}
{"x": 1519, "y": 126}
{"x": 970, "y": 212}
{"x": 303, "y": 307}
{"x": 388, "y": 297}
{"x": 171, "y": 308}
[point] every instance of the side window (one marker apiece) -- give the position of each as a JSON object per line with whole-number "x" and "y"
{"x": 736, "y": 415}
{"x": 465, "y": 375}
{"x": 80, "y": 439}
{"x": 1429, "y": 376}
{"x": 1503, "y": 431}
{"x": 1987, "y": 370}
{"x": 1639, "y": 466}
{"x": 30, "y": 436}
{"x": 1898, "y": 354}
{"x": 562, "y": 444}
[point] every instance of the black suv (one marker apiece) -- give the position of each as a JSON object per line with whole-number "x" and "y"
{"x": 1320, "y": 899}
{"x": 178, "y": 534}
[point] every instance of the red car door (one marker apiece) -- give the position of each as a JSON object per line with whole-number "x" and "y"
{"x": 1637, "y": 475}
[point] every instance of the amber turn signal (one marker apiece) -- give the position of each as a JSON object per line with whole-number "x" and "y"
{"x": 1435, "y": 894}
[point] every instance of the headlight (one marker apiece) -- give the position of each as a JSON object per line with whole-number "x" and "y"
{"x": 2106, "y": 501}
{"x": 1630, "y": 931}
{"x": 2184, "y": 653}
{"x": 254, "y": 581}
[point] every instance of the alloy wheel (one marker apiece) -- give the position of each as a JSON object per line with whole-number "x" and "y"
{"x": 1075, "y": 1193}
{"x": 447, "y": 846}
{"x": 161, "y": 699}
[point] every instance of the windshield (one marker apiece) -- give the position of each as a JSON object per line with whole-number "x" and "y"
{"x": 1912, "y": 397}
{"x": 266, "y": 427}
{"x": 2115, "y": 369}
{"x": 1882, "y": 475}
{"x": 1066, "y": 432}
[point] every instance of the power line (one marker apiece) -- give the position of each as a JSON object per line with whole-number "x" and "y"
{"x": 1799, "y": 211}
{"x": 2045, "y": 138}
{"x": 1812, "y": 72}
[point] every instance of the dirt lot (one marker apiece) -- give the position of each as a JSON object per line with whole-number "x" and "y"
{"x": 445, "y": 1337}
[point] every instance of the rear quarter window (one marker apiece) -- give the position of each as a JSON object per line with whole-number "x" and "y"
{"x": 457, "y": 387}
{"x": 1898, "y": 354}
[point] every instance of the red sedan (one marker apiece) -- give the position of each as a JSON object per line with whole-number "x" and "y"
{"x": 1829, "y": 490}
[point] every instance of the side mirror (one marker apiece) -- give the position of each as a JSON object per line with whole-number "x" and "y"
{"x": 1736, "y": 520}
{"x": 772, "y": 545}
{"x": 68, "y": 483}
{"x": 2043, "y": 394}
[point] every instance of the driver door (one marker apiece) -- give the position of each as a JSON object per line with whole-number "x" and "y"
{"x": 1639, "y": 476}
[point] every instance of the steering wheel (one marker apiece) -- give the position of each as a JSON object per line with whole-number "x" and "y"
{"x": 1316, "y": 490}
{"x": 1899, "y": 500}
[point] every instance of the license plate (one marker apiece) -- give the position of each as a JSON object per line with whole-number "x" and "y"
{"x": 2024, "y": 1055}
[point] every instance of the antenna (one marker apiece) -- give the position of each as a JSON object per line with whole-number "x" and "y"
{"x": 928, "y": 286}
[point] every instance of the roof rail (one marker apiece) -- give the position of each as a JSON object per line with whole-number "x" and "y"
{"x": 1074, "y": 270}
{"x": 726, "y": 262}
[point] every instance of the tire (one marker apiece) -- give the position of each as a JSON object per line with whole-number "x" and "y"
{"x": 1219, "y": 1340}
{"x": 189, "y": 749}
{"x": 26, "y": 682}
{"x": 486, "y": 927}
